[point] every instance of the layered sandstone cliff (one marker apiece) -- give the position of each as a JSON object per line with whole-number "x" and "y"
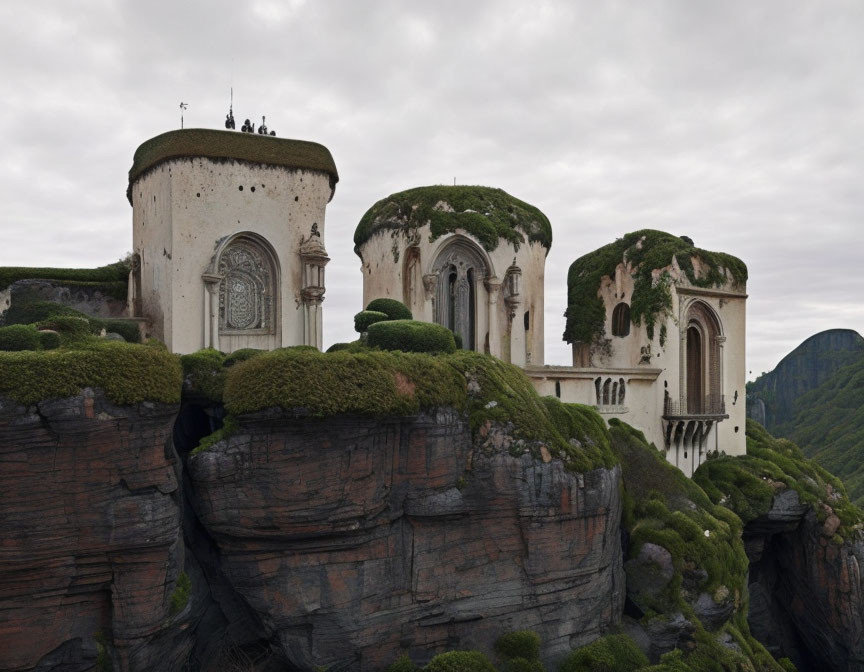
{"x": 356, "y": 538}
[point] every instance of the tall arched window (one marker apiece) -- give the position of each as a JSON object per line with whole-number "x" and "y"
{"x": 621, "y": 320}
{"x": 248, "y": 287}
{"x": 460, "y": 266}
{"x": 703, "y": 368}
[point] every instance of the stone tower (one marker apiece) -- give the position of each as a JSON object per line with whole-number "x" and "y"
{"x": 470, "y": 258}
{"x": 228, "y": 239}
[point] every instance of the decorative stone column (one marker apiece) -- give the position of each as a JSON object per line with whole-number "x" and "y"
{"x": 493, "y": 289}
{"x": 430, "y": 288}
{"x": 211, "y": 316}
{"x": 313, "y": 258}
{"x": 513, "y": 300}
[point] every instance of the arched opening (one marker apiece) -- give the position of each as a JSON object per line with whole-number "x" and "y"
{"x": 702, "y": 374}
{"x": 621, "y": 320}
{"x": 695, "y": 371}
{"x": 460, "y": 268}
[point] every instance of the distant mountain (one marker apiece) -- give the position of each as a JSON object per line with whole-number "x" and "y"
{"x": 771, "y": 397}
{"x": 815, "y": 397}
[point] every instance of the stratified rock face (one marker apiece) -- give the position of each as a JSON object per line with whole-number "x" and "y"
{"x": 355, "y": 539}
{"x": 806, "y": 589}
{"x": 771, "y": 397}
{"x": 89, "y": 536}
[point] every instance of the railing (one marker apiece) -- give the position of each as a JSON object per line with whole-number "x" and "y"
{"x": 710, "y": 404}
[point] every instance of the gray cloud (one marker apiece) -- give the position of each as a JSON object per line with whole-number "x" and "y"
{"x": 735, "y": 123}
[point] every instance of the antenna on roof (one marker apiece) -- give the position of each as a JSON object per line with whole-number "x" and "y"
{"x": 183, "y": 107}
{"x": 229, "y": 118}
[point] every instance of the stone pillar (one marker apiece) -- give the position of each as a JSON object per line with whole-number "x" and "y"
{"x": 314, "y": 258}
{"x": 493, "y": 288}
{"x": 211, "y": 317}
{"x": 430, "y": 289}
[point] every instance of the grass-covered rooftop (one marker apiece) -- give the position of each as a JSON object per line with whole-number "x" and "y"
{"x": 646, "y": 251}
{"x": 486, "y": 213}
{"x": 192, "y": 142}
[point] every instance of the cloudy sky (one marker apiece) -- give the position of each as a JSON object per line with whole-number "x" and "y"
{"x": 738, "y": 124}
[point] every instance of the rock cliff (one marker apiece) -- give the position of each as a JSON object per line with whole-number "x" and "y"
{"x": 91, "y": 545}
{"x": 771, "y": 397}
{"x": 355, "y": 538}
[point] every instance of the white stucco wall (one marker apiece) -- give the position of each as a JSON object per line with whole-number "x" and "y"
{"x": 625, "y": 357}
{"x": 383, "y": 267}
{"x": 182, "y": 208}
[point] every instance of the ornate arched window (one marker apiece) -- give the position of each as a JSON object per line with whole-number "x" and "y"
{"x": 247, "y": 290}
{"x": 621, "y": 320}
{"x": 460, "y": 266}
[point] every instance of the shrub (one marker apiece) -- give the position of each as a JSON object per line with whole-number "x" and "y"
{"x": 460, "y": 661}
{"x": 411, "y": 336}
{"x": 49, "y": 340}
{"x": 364, "y": 318}
{"x": 204, "y": 374}
{"x": 336, "y": 347}
{"x": 241, "y": 356}
{"x": 519, "y": 644}
{"x": 36, "y": 311}
{"x": 612, "y": 653}
{"x": 393, "y": 309}
{"x": 402, "y": 664}
{"x": 71, "y": 329}
{"x": 523, "y": 665}
{"x": 19, "y": 337}
{"x": 180, "y": 595}
{"x": 128, "y": 329}
{"x": 458, "y": 339}
{"x": 127, "y": 373}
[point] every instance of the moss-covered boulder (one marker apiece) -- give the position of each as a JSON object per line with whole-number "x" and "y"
{"x": 488, "y": 214}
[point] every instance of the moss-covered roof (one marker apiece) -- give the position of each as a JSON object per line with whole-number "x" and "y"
{"x": 231, "y": 145}
{"x": 486, "y": 213}
{"x": 646, "y": 251}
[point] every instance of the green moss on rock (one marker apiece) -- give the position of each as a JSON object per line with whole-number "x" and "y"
{"x": 228, "y": 145}
{"x": 612, "y": 653}
{"x": 19, "y": 337}
{"x": 204, "y": 375}
{"x": 51, "y": 315}
{"x": 487, "y": 214}
{"x": 460, "y": 661}
{"x": 646, "y": 251}
{"x": 126, "y": 373}
{"x": 664, "y": 507}
{"x": 747, "y": 484}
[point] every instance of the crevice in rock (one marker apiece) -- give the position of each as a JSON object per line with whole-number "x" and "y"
{"x": 229, "y": 635}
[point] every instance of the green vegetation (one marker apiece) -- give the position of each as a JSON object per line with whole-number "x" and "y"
{"x": 519, "y": 644}
{"x": 612, "y": 653}
{"x": 365, "y": 318}
{"x": 229, "y": 145}
{"x": 19, "y": 337}
{"x": 646, "y": 251}
{"x": 460, "y": 661}
{"x": 747, "y": 484}
{"x": 393, "y": 309}
{"x": 45, "y": 313}
{"x": 362, "y": 381}
{"x": 103, "y": 655}
{"x": 520, "y": 651}
{"x": 180, "y": 594}
{"x": 127, "y": 373}
{"x": 229, "y": 428}
{"x": 410, "y": 336}
{"x": 487, "y": 214}
{"x": 204, "y": 375}
{"x": 402, "y": 664}
{"x": 664, "y": 507}
{"x": 111, "y": 279}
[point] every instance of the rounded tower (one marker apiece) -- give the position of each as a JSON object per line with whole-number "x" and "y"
{"x": 470, "y": 258}
{"x": 228, "y": 239}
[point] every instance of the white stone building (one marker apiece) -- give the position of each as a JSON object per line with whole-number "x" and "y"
{"x": 228, "y": 239}
{"x": 681, "y": 380}
{"x": 470, "y": 258}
